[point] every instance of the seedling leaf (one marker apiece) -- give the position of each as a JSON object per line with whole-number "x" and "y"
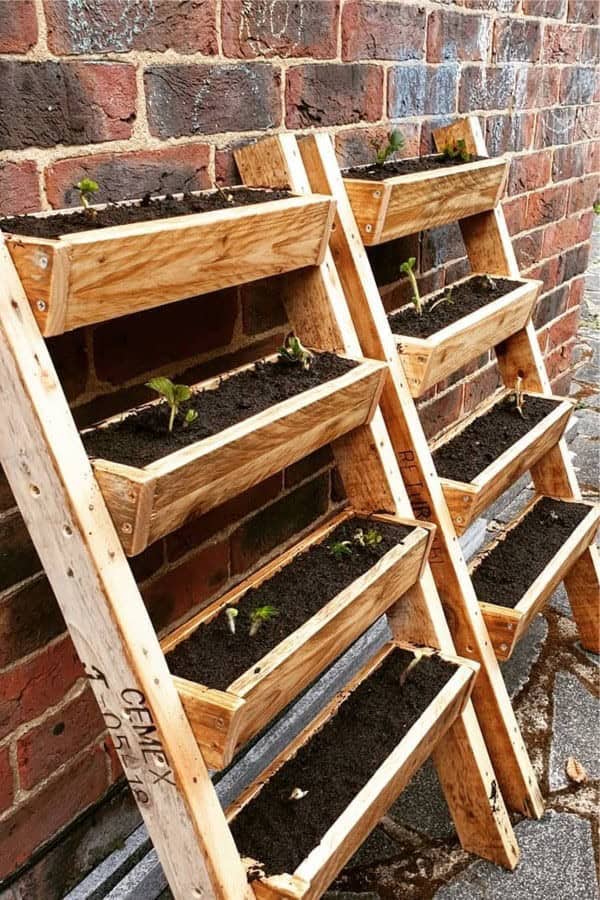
{"x": 294, "y": 352}
{"x": 457, "y": 150}
{"x": 232, "y": 613}
{"x": 87, "y": 187}
{"x": 340, "y": 549}
{"x": 260, "y": 616}
{"x": 395, "y": 142}
{"x": 408, "y": 268}
{"x": 175, "y": 395}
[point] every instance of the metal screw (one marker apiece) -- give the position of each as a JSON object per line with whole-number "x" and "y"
{"x": 504, "y": 647}
{"x": 43, "y": 262}
{"x": 126, "y": 527}
{"x": 41, "y": 305}
{"x": 368, "y": 229}
{"x": 377, "y": 193}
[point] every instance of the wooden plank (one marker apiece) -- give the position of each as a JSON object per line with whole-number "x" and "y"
{"x": 128, "y": 268}
{"x": 52, "y": 481}
{"x": 405, "y": 204}
{"x": 215, "y": 718}
{"x": 148, "y": 503}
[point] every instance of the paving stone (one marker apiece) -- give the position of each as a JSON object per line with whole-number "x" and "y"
{"x": 593, "y": 657}
{"x": 587, "y": 464}
{"x": 518, "y": 668}
{"x": 560, "y": 602}
{"x": 557, "y": 863}
{"x": 378, "y": 847}
{"x": 574, "y": 730}
{"x": 422, "y": 807}
{"x": 352, "y": 895}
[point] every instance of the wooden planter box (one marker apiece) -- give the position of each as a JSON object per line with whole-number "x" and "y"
{"x": 344, "y": 837}
{"x": 405, "y": 204}
{"x": 426, "y": 361}
{"x": 100, "y": 274}
{"x": 468, "y": 499}
{"x": 222, "y": 721}
{"x": 507, "y": 625}
{"x": 147, "y": 503}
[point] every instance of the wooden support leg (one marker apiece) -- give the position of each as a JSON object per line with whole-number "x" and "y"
{"x": 320, "y": 312}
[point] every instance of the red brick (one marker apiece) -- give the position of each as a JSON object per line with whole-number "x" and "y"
{"x": 7, "y": 501}
{"x": 590, "y": 50}
{"x": 333, "y": 94}
{"x": 546, "y": 8}
{"x": 555, "y": 126}
{"x": 189, "y": 99}
{"x": 381, "y": 30}
{"x": 252, "y": 28}
{"x": 528, "y": 249}
{"x": 593, "y": 157}
{"x": 441, "y": 411}
{"x": 44, "y": 814}
{"x": 569, "y": 162}
{"x": 517, "y": 39}
{"x": 18, "y": 558}
{"x": 562, "y": 43}
{"x": 385, "y": 258}
{"x": 117, "y": 26}
{"x": 29, "y": 618}
{"x": 480, "y": 387}
{"x": 308, "y": 466}
{"x": 19, "y": 187}
{"x": 559, "y": 360}
{"x": 486, "y": 87}
{"x": 453, "y": 35}
{"x": 537, "y": 86}
{"x": 576, "y": 291}
{"x": 559, "y": 236}
{"x": 422, "y": 90}
{"x": 560, "y": 386}
{"x": 504, "y": 133}
{"x": 575, "y": 261}
{"x": 30, "y": 687}
{"x": 551, "y": 305}
{"x": 6, "y": 780}
{"x": 585, "y": 224}
{"x": 562, "y": 330}
{"x": 129, "y": 175}
{"x": 18, "y": 26}
{"x": 585, "y": 11}
{"x": 121, "y": 346}
{"x": 586, "y": 124}
{"x": 583, "y": 193}
{"x": 355, "y": 146}
{"x": 188, "y": 587}
{"x": 546, "y": 206}
{"x": 440, "y": 245}
{"x": 550, "y": 272}
{"x": 262, "y": 306}
{"x": 529, "y": 172}
{"x": 515, "y": 212}
{"x": 69, "y": 355}
{"x": 578, "y": 85}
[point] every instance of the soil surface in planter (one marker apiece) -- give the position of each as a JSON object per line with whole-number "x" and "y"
{"x": 467, "y": 297}
{"x": 143, "y": 436}
{"x": 215, "y": 657}
{"x": 379, "y": 172}
{"x": 146, "y": 210}
{"x": 488, "y": 436}
{"x": 513, "y": 565}
{"x": 337, "y": 763}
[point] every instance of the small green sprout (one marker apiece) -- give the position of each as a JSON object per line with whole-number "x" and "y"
{"x": 174, "y": 394}
{"x": 340, "y": 549}
{"x": 395, "y": 142}
{"x": 445, "y": 298}
{"x": 87, "y": 187}
{"x": 232, "y": 612}
{"x": 597, "y": 208}
{"x": 261, "y": 616}
{"x": 457, "y": 150}
{"x": 519, "y": 398}
{"x": 368, "y": 539}
{"x": 190, "y": 416}
{"x": 408, "y": 268}
{"x": 294, "y": 352}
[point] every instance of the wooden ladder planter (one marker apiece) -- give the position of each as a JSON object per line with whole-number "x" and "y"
{"x": 387, "y": 782}
{"x": 150, "y": 502}
{"x": 427, "y": 361}
{"x": 507, "y": 624}
{"x": 95, "y": 275}
{"x": 403, "y": 204}
{"x": 223, "y": 721}
{"x": 466, "y": 500}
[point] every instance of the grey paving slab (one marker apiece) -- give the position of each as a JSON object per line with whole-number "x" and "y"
{"x": 575, "y": 730}
{"x": 557, "y": 863}
{"x": 560, "y": 602}
{"x": 422, "y": 807}
{"x": 517, "y": 669}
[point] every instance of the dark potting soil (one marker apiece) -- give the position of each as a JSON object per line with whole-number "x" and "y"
{"x": 487, "y": 437}
{"x": 466, "y": 297}
{"x": 337, "y": 763}
{"x": 126, "y": 212}
{"x": 213, "y": 656}
{"x": 513, "y": 565}
{"x": 379, "y": 172}
{"x": 143, "y": 436}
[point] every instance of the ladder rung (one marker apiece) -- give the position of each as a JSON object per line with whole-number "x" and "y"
{"x": 223, "y": 720}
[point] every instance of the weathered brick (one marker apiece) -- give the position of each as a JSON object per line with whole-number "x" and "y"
{"x": 593, "y": 157}
{"x": 333, "y": 94}
{"x": 558, "y": 361}
{"x": 453, "y": 35}
{"x": 559, "y": 236}
{"x": 6, "y": 780}
{"x": 47, "y": 811}
{"x": 585, "y": 223}
{"x": 515, "y": 213}
{"x": 385, "y": 258}
{"x": 546, "y": 206}
{"x": 7, "y": 501}
{"x": 18, "y": 26}
{"x": 60, "y": 737}
{"x": 550, "y": 272}
{"x": 562, "y": 44}
{"x": 586, "y": 123}
{"x": 69, "y": 355}
{"x": 117, "y": 26}
{"x": 481, "y": 386}
{"x": 569, "y": 162}
{"x": 500, "y": 6}
{"x": 528, "y": 249}
{"x": 40, "y": 681}
{"x": 583, "y": 194}
{"x": 575, "y": 261}
{"x": 486, "y": 87}
{"x": 278, "y": 523}
{"x": 48, "y": 103}
{"x": 189, "y": 99}
{"x": 441, "y": 411}
{"x": 188, "y": 587}
{"x": 517, "y": 39}
{"x": 562, "y": 330}
{"x": 258, "y": 28}
{"x": 355, "y": 146}
{"x": 421, "y": 90}
{"x": 121, "y": 346}
{"x": 551, "y": 305}
{"x": 576, "y": 291}
{"x": 529, "y": 172}
{"x": 19, "y": 187}
{"x": 555, "y": 126}
{"x": 577, "y": 85}
{"x": 440, "y": 245}
{"x": 382, "y": 30}
{"x": 509, "y": 133}
{"x": 547, "y": 8}
{"x": 262, "y": 306}
{"x": 29, "y": 618}
{"x": 149, "y": 562}
{"x": 129, "y": 175}
{"x": 584, "y": 11}
{"x": 590, "y": 48}
{"x": 18, "y": 558}
{"x": 308, "y": 466}
{"x": 537, "y": 86}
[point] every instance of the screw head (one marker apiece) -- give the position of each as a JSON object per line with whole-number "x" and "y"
{"x": 43, "y": 262}
{"x": 377, "y": 193}
{"x": 368, "y": 229}
{"x": 127, "y": 528}
{"x": 41, "y": 305}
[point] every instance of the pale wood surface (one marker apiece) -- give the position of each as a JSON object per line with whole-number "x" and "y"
{"x": 52, "y": 481}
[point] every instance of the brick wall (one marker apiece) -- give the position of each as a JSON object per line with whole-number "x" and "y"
{"x": 153, "y": 95}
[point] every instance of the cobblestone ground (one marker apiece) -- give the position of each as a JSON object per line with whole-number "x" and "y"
{"x": 414, "y": 853}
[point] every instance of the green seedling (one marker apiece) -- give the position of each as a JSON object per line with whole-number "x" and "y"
{"x": 408, "y": 268}
{"x": 260, "y": 616}
{"x": 175, "y": 395}
{"x": 190, "y": 416}
{"x": 446, "y": 298}
{"x": 368, "y": 539}
{"x": 340, "y": 549}
{"x": 294, "y": 352}
{"x": 87, "y": 187}
{"x": 231, "y": 613}
{"x": 519, "y": 398}
{"x": 395, "y": 142}
{"x": 457, "y": 150}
